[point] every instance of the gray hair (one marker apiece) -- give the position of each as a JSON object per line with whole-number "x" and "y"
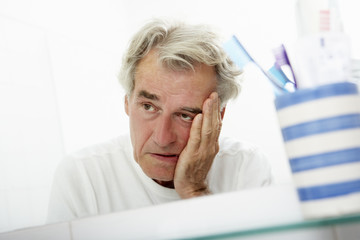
{"x": 181, "y": 47}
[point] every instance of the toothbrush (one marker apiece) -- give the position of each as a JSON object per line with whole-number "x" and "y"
{"x": 282, "y": 59}
{"x": 241, "y": 57}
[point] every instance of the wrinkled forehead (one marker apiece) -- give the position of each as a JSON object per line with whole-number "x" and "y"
{"x": 162, "y": 83}
{"x": 152, "y": 67}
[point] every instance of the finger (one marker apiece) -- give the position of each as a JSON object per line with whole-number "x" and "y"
{"x": 219, "y": 110}
{"x": 218, "y": 119}
{"x": 207, "y": 128}
{"x": 215, "y": 117}
{"x": 195, "y": 133}
{"x": 216, "y": 112}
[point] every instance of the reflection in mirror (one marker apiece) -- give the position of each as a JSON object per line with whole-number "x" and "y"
{"x": 59, "y": 93}
{"x": 177, "y": 82}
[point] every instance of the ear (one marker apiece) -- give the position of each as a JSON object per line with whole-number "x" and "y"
{"x": 222, "y": 113}
{"x": 126, "y": 105}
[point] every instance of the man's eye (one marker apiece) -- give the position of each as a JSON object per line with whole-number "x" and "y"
{"x": 148, "y": 107}
{"x": 186, "y": 117}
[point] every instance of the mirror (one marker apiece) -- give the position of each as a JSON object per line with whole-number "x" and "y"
{"x": 59, "y": 92}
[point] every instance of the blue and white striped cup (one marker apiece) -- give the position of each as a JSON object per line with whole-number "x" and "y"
{"x": 321, "y": 132}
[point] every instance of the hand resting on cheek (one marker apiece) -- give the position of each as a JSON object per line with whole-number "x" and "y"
{"x": 196, "y": 158}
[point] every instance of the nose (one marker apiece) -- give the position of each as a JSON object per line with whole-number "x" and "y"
{"x": 164, "y": 132}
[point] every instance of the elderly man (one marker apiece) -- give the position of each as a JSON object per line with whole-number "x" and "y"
{"x": 178, "y": 80}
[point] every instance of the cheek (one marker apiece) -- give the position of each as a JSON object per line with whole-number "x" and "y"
{"x": 140, "y": 131}
{"x": 183, "y": 134}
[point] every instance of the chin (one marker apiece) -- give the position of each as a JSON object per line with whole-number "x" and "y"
{"x": 162, "y": 177}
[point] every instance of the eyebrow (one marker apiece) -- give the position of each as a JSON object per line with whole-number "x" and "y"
{"x": 148, "y": 95}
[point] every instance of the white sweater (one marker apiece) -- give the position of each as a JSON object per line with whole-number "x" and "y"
{"x": 105, "y": 178}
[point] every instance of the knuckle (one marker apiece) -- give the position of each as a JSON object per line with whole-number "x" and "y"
{"x": 208, "y": 133}
{"x": 196, "y": 138}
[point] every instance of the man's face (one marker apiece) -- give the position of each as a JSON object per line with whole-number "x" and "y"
{"x": 161, "y": 109}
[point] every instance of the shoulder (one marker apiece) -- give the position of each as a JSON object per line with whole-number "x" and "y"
{"x": 117, "y": 144}
{"x": 95, "y": 156}
{"x": 246, "y": 161}
{"x": 233, "y": 147}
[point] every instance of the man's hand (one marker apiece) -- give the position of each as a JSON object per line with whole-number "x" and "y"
{"x": 196, "y": 158}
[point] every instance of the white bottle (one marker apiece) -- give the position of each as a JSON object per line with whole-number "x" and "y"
{"x": 322, "y": 53}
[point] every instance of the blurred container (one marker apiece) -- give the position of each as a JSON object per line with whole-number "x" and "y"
{"x": 322, "y": 53}
{"x": 317, "y": 16}
{"x": 322, "y": 58}
{"x": 321, "y": 132}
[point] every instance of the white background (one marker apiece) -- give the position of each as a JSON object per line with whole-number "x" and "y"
{"x": 58, "y": 88}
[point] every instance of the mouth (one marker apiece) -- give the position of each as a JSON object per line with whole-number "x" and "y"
{"x": 168, "y": 157}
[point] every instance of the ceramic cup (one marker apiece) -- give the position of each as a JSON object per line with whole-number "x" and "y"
{"x": 321, "y": 131}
